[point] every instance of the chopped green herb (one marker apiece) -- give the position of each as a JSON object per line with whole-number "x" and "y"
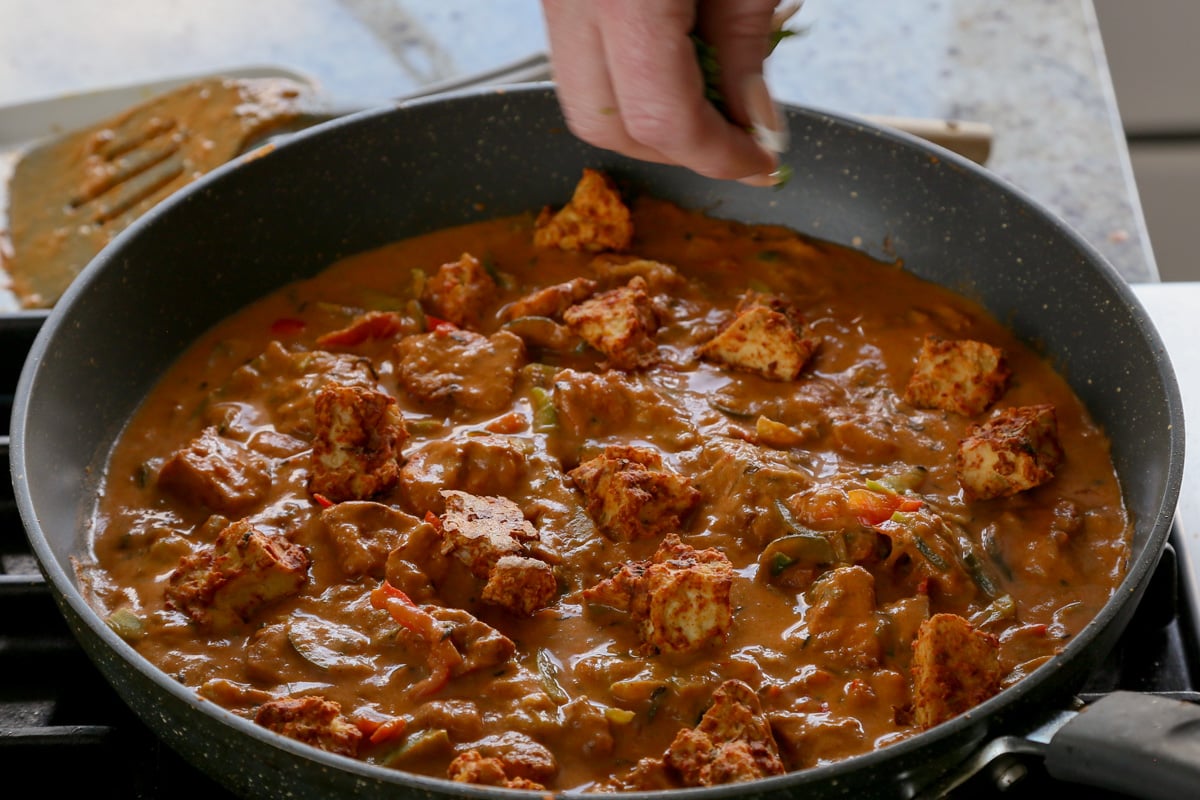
{"x": 782, "y": 175}
{"x": 778, "y": 36}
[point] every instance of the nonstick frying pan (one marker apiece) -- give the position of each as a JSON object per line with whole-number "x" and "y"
{"x": 359, "y": 182}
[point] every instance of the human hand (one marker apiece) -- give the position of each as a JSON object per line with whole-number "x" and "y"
{"x": 629, "y": 80}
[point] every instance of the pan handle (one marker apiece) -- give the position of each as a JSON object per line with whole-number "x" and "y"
{"x": 1141, "y": 744}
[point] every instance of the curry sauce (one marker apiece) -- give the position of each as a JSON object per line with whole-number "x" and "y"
{"x": 608, "y": 497}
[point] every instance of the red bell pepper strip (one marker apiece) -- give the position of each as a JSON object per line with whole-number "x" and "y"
{"x": 438, "y": 325}
{"x": 872, "y": 508}
{"x": 288, "y": 326}
{"x": 443, "y": 657}
{"x": 378, "y": 728}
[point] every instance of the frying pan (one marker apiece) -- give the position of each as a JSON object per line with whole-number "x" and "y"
{"x": 359, "y": 182}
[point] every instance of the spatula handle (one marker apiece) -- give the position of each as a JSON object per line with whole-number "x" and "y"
{"x": 971, "y": 140}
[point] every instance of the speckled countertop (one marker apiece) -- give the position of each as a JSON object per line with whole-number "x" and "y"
{"x": 1032, "y": 69}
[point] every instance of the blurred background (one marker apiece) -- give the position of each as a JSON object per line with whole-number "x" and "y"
{"x": 1155, "y": 65}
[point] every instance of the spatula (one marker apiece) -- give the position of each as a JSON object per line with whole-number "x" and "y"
{"x": 70, "y": 195}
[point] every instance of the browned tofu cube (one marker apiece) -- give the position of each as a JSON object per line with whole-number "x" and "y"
{"x": 520, "y": 585}
{"x": 959, "y": 375}
{"x": 679, "y": 600}
{"x": 954, "y": 669}
{"x": 620, "y": 323}
{"x": 551, "y": 301}
{"x": 476, "y": 768}
{"x": 595, "y": 219}
{"x": 359, "y": 434}
{"x": 767, "y": 337}
{"x": 732, "y": 743}
{"x": 216, "y": 472}
{"x": 479, "y": 531}
{"x": 1015, "y": 450}
{"x": 223, "y": 586}
{"x": 630, "y": 495}
{"x": 459, "y": 292}
{"x": 283, "y": 382}
{"x": 312, "y": 720}
{"x": 461, "y": 367}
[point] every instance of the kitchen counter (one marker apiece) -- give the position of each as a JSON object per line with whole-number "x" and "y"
{"x": 1172, "y": 308}
{"x": 1032, "y": 69}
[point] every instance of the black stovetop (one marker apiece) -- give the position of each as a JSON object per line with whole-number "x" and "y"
{"x": 65, "y": 729}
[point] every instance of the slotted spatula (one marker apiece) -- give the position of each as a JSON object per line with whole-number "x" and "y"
{"x": 70, "y": 195}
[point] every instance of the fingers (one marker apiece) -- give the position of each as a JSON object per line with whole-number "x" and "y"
{"x": 740, "y": 35}
{"x": 629, "y": 80}
{"x": 584, "y": 88}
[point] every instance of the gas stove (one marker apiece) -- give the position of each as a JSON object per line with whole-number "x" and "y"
{"x": 64, "y": 728}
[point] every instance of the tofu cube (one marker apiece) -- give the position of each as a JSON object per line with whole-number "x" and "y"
{"x": 1015, "y": 450}
{"x": 551, "y": 301}
{"x": 476, "y": 768}
{"x": 216, "y": 472}
{"x": 312, "y": 720}
{"x": 959, "y": 375}
{"x": 679, "y": 600}
{"x": 223, "y": 586}
{"x": 954, "y": 669}
{"x": 764, "y": 341}
{"x": 630, "y": 496}
{"x": 480, "y": 531}
{"x": 459, "y": 292}
{"x": 359, "y": 434}
{"x": 596, "y": 219}
{"x": 688, "y": 598}
{"x": 520, "y": 585}
{"x": 733, "y": 742}
{"x": 620, "y": 323}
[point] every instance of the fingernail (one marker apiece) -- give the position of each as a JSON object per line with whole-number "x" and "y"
{"x": 766, "y": 179}
{"x": 766, "y": 125}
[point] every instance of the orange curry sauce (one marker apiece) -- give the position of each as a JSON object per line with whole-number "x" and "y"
{"x": 805, "y": 527}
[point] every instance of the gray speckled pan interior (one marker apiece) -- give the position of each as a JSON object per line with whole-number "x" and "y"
{"x": 385, "y": 174}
